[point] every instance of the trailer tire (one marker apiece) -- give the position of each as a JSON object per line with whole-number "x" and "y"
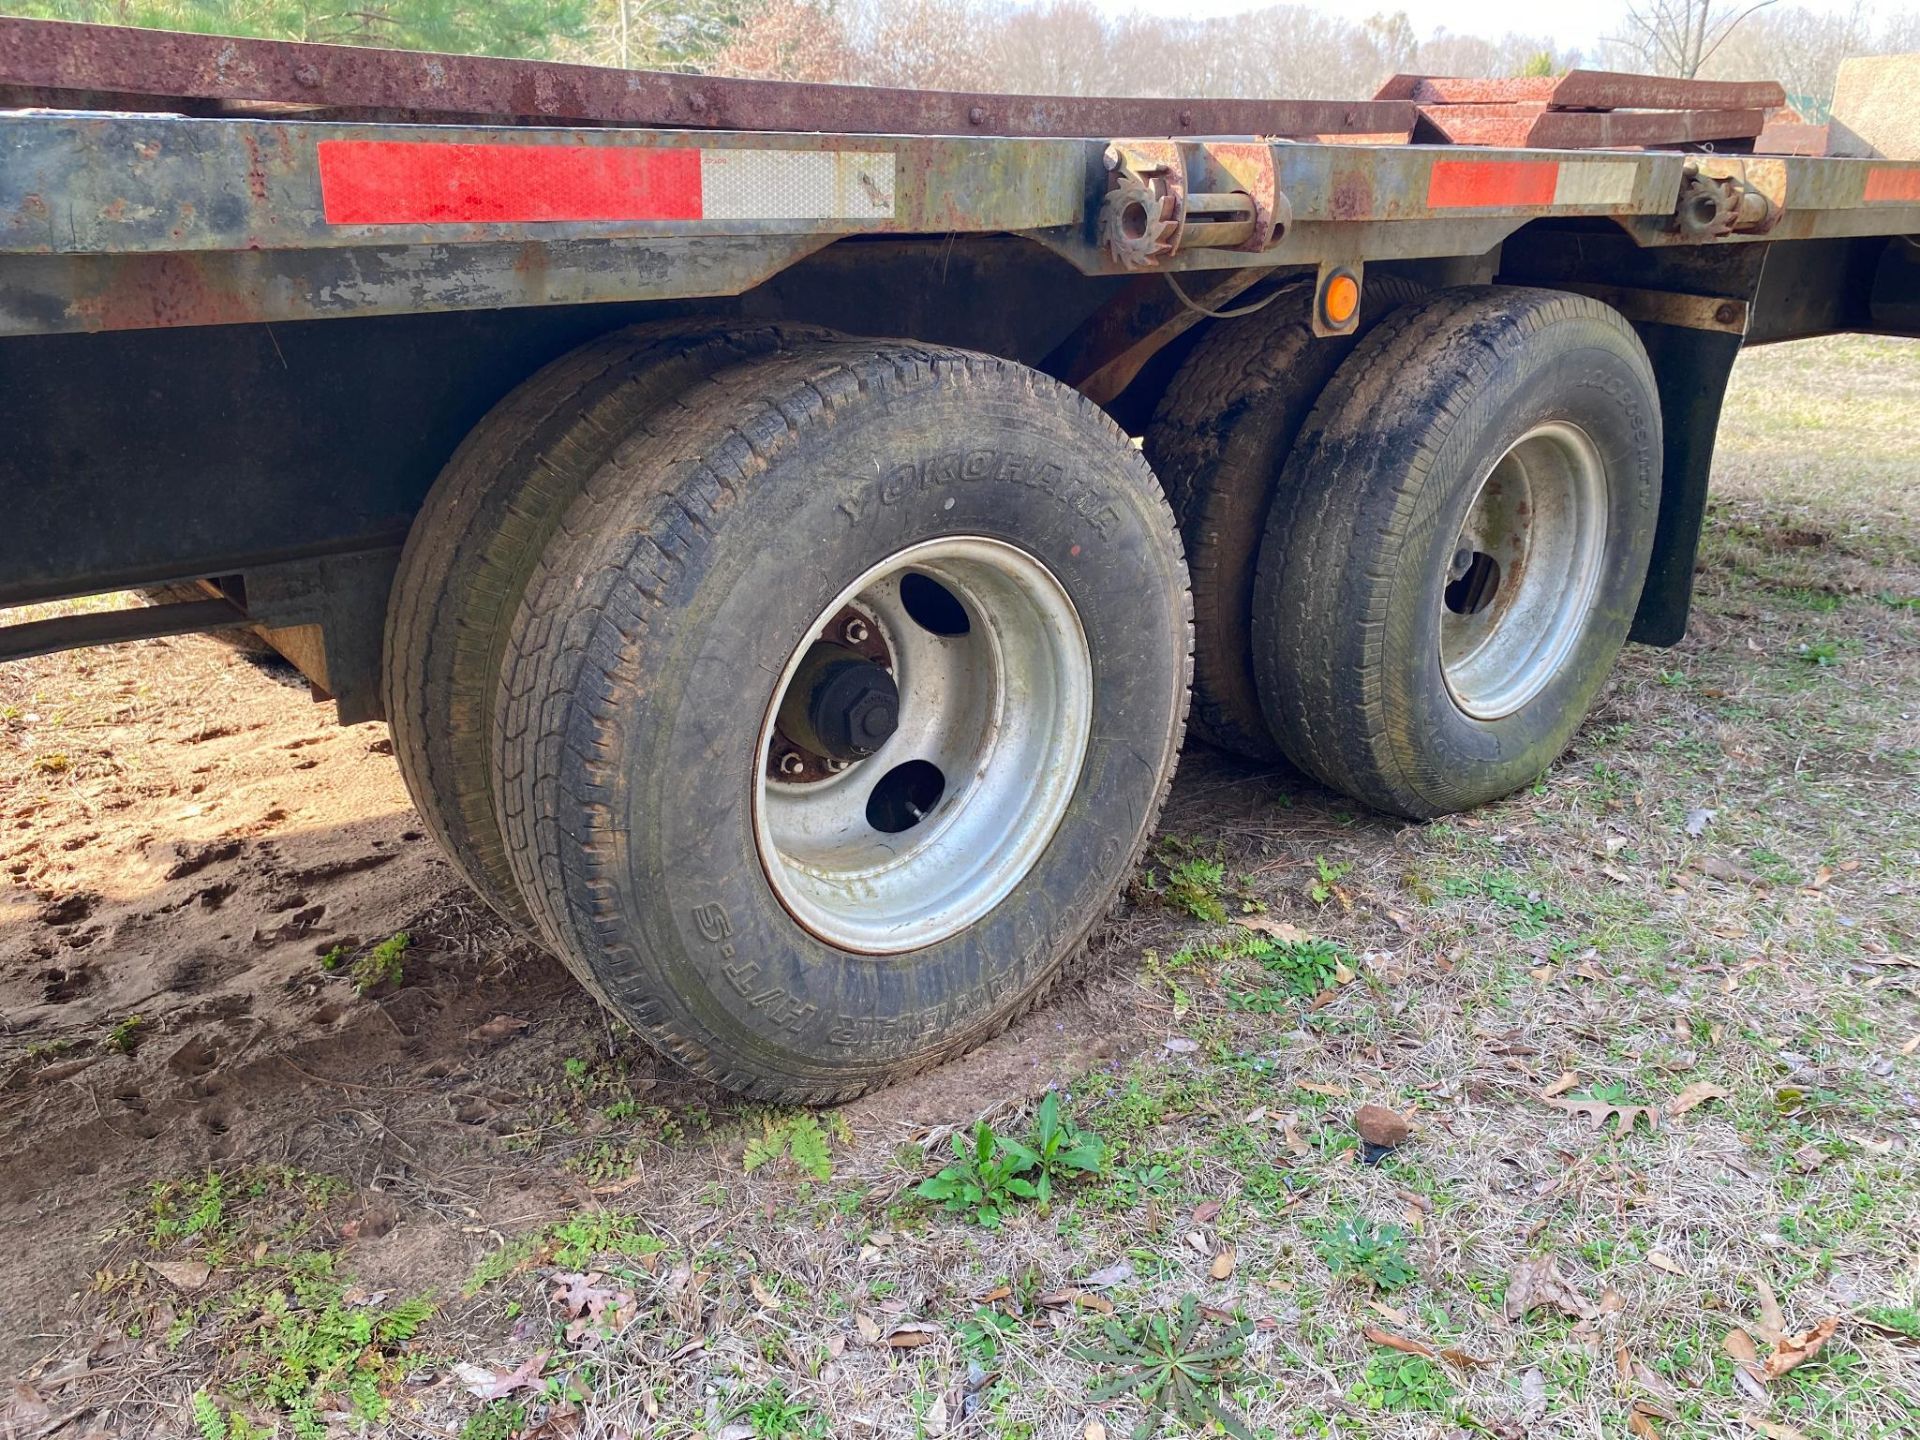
{"x": 1219, "y": 442}
{"x": 645, "y": 688}
{"x": 1517, "y": 428}
{"x": 478, "y": 537}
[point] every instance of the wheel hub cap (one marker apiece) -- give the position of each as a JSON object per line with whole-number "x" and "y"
{"x": 923, "y": 743}
{"x": 1524, "y": 570}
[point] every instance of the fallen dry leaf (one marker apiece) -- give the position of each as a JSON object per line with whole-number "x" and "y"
{"x": 1108, "y": 1276}
{"x": 182, "y": 1274}
{"x": 1640, "y": 1423}
{"x": 1084, "y": 1299}
{"x": 1560, "y": 1087}
{"x": 1279, "y": 930}
{"x": 1205, "y": 1211}
{"x": 1772, "y": 1429}
{"x": 1222, "y": 1266}
{"x": 1380, "y": 1126}
{"x": 500, "y": 1027}
{"x": 864, "y": 1323}
{"x": 1792, "y": 1351}
{"x": 1661, "y": 1261}
{"x": 485, "y": 1384}
{"x": 1336, "y": 1092}
{"x": 1538, "y": 1281}
{"x": 1401, "y": 1343}
{"x": 914, "y": 1332}
{"x": 763, "y": 1292}
{"x": 1094, "y": 1431}
{"x": 1773, "y": 1324}
{"x": 1694, "y": 1095}
{"x": 1598, "y": 1112}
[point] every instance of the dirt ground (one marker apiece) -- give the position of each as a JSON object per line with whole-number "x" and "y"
{"x": 295, "y": 1138}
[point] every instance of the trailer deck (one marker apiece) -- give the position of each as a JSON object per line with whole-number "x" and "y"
{"x": 168, "y": 217}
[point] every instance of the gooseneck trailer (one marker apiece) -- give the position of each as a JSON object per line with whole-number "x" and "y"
{"x": 783, "y": 525}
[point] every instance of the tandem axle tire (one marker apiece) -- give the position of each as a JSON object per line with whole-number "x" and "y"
{"x": 478, "y": 538}
{"x": 1458, "y": 547}
{"x": 839, "y": 708}
{"x": 1219, "y": 443}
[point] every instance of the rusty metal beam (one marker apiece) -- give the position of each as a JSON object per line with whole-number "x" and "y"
{"x": 1589, "y": 90}
{"x": 40, "y": 59}
{"x": 111, "y": 627}
{"x": 1523, "y": 126}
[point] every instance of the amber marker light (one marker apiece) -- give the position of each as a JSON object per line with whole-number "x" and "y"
{"x": 1340, "y": 300}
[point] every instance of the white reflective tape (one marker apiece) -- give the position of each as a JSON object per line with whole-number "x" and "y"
{"x": 796, "y": 185}
{"x": 1595, "y": 182}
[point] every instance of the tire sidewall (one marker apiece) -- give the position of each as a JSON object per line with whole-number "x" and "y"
{"x": 1583, "y": 372}
{"x": 703, "y": 933}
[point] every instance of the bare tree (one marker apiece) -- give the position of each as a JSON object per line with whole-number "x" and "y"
{"x": 1677, "y": 37}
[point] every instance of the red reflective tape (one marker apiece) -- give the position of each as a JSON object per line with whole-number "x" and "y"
{"x": 403, "y": 182}
{"x": 1885, "y": 185}
{"x": 1482, "y": 184}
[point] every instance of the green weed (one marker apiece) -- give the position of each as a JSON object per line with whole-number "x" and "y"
{"x": 1376, "y": 1254}
{"x": 1401, "y": 1383}
{"x": 1172, "y": 1370}
{"x": 797, "y": 1136}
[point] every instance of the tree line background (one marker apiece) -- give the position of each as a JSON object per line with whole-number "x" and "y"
{"x": 1066, "y": 47}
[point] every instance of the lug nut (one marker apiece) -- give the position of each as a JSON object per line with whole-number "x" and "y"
{"x": 791, "y": 763}
{"x": 856, "y": 632}
{"x": 836, "y": 766}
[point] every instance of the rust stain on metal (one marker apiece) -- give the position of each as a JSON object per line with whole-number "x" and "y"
{"x": 42, "y": 59}
{"x": 1351, "y": 197}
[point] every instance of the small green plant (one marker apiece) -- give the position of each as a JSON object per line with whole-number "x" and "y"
{"x": 1135, "y": 1183}
{"x": 991, "y": 1172}
{"x": 798, "y": 1137}
{"x": 775, "y": 1417}
{"x": 1057, "y": 1150}
{"x": 1196, "y": 886}
{"x": 578, "y": 1240}
{"x": 179, "y": 1209}
{"x": 1306, "y": 967}
{"x": 1375, "y": 1253}
{"x": 1822, "y": 653}
{"x": 1172, "y": 1370}
{"x": 1327, "y": 875}
{"x": 982, "y": 1332}
{"x": 1902, "y": 1319}
{"x": 380, "y": 965}
{"x": 1401, "y": 1383}
{"x": 336, "y": 957}
{"x": 984, "y": 1182}
{"x": 496, "y": 1420}
{"x": 125, "y": 1036}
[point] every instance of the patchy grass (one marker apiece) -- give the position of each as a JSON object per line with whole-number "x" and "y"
{"x": 1704, "y": 922}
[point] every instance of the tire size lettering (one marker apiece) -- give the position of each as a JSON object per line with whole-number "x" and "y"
{"x": 957, "y": 468}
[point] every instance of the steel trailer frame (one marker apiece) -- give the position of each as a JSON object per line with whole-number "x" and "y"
{"x": 179, "y": 212}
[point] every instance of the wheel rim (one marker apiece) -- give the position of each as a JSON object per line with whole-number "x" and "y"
{"x": 1523, "y": 571}
{"x": 904, "y": 846}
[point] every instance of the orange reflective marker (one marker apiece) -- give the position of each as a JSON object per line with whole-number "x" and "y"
{"x": 1340, "y": 299}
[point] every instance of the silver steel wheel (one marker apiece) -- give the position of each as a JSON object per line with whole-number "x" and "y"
{"x": 1525, "y": 567}
{"x": 963, "y": 664}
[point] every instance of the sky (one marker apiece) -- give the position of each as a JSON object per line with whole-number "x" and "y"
{"x": 1583, "y": 23}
